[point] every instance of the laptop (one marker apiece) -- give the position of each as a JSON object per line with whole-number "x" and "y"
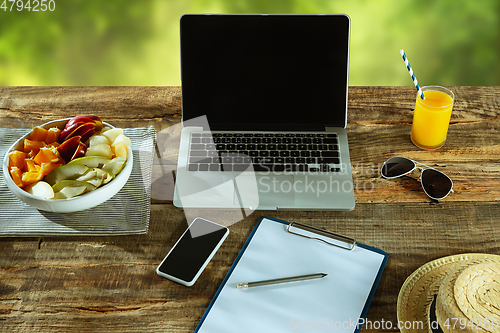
{"x": 264, "y": 112}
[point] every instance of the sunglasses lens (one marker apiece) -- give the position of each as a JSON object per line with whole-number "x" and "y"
{"x": 397, "y": 166}
{"x": 435, "y": 183}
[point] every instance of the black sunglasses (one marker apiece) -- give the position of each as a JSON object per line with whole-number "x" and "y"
{"x": 436, "y": 184}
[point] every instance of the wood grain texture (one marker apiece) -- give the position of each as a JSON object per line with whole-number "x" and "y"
{"x": 127, "y": 106}
{"x": 109, "y": 284}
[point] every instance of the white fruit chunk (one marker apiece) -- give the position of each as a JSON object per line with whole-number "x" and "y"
{"x": 64, "y": 172}
{"x": 91, "y": 174}
{"x": 120, "y": 150}
{"x": 92, "y": 178}
{"x": 115, "y": 165}
{"x": 105, "y": 128}
{"x": 70, "y": 192}
{"x": 122, "y": 139}
{"x": 72, "y": 183}
{"x": 91, "y": 161}
{"x": 100, "y": 150}
{"x": 99, "y": 140}
{"x": 41, "y": 189}
{"x": 106, "y": 175}
{"x": 112, "y": 133}
{"x": 96, "y": 181}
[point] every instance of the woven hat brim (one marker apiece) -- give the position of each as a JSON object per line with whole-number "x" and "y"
{"x": 418, "y": 291}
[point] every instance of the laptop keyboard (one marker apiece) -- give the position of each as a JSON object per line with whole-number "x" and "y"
{"x": 233, "y": 151}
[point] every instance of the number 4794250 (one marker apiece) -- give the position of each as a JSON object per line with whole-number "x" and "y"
{"x": 29, "y": 5}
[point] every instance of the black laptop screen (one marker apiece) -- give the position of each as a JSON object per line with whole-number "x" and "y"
{"x": 265, "y": 72}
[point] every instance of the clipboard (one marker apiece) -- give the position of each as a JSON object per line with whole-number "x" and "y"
{"x": 277, "y": 249}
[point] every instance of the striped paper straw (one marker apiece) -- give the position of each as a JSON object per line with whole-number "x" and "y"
{"x": 407, "y": 63}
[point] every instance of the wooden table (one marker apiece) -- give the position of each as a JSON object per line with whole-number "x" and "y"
{"x": 109, "y": 284}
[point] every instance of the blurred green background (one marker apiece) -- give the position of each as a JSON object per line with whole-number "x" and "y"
{"x": 136, "y": 42}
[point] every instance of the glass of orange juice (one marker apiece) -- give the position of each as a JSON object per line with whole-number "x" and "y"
{"x": 432, "y": 117}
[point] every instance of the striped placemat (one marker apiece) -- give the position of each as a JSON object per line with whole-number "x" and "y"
{"x": 125, "y": 213}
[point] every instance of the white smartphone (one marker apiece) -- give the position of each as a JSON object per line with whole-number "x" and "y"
{"x": 192, "y": 252}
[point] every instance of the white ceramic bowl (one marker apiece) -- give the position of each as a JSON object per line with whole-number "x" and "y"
{"x": 78, "y": 203}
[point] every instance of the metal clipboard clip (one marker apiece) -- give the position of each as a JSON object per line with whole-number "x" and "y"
{"x": 322, "y": 235}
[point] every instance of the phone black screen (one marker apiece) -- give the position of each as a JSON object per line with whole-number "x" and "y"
{"x": 192, "y": 250}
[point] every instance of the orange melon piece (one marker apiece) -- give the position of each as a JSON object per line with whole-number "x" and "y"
{"x": 31, "y": 166}
{"x": 32, "y": 147}
{"x": 32, "y": 176}
{"x": 17, "y": 175}
{"x": 38, "y": 134}
{"x": 17, "y": 159}
{"x": 47, "y": 168}
{"x": 47, "y": 155}
{"x": 54, "y": 144}
{"x": 52, "y": 135}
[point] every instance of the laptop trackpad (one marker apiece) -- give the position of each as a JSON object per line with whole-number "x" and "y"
{"x": 267, "y": 191}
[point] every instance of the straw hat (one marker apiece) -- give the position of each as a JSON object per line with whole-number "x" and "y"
{"x": 471, "y": 290}
{"x": 468, "y": 287}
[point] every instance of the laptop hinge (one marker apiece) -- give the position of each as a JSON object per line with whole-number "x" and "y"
{"x": 331, "y": 129}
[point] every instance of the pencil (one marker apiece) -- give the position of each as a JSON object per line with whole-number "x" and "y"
{"x": 281, "y": 280}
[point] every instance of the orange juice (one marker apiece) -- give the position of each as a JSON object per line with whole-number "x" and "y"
{"x": 432, "y": 117}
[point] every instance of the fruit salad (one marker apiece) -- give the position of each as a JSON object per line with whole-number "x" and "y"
{"x": 62, "y": 163}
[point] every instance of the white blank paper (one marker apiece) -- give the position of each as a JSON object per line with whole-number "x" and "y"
{"x": 333, "y": 302}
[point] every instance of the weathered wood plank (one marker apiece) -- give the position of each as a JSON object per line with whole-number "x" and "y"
{"x": 89, "y": 284}
{"x": 108, "y": 283}
{"x": 137, "y": 105}
{"x": 469, "y": 158}
{"x": 126, "y": 106}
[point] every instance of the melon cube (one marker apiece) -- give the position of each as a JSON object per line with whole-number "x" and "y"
{"x": 99, "y": 140}
{"x": 122, "y": 139}
{"x": 120, "y": 150}
{"x": 112, "y": 133}
{"x": 100, "y": 150}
